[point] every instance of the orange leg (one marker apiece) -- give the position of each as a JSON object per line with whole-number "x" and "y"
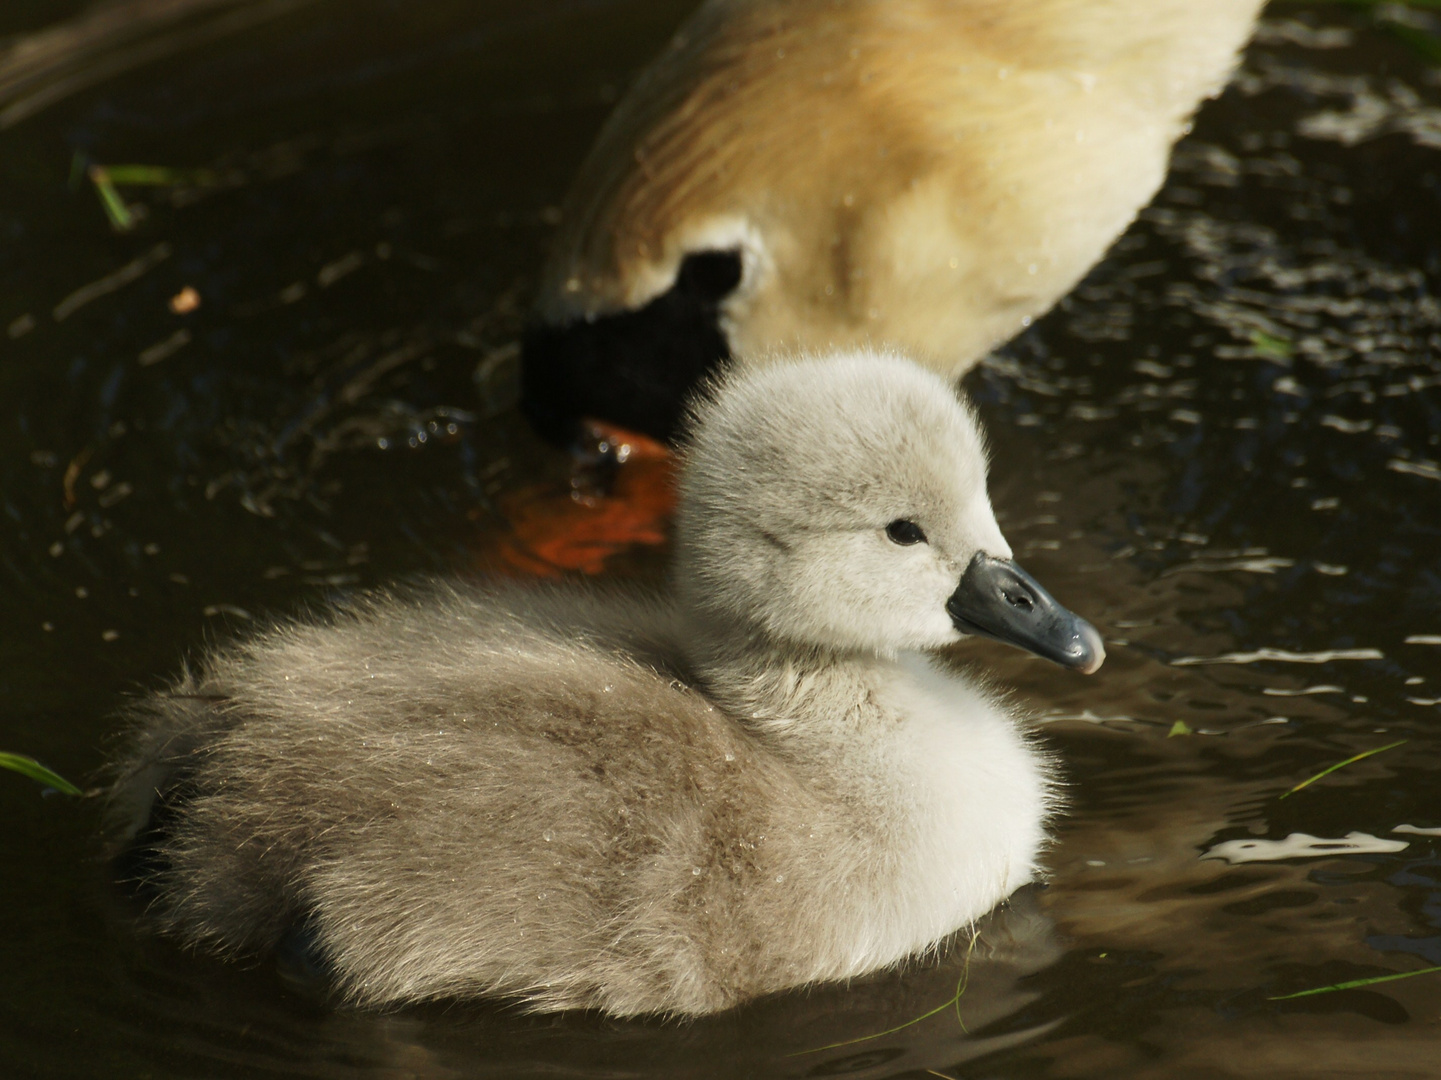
{"x": 621, "y": 495}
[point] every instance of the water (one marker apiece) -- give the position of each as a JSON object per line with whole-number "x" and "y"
{"x": 1226, "y": 441}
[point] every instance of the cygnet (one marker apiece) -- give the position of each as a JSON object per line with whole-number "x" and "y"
{"x": 592, "y": 796}
{"x": 928, "y": 175}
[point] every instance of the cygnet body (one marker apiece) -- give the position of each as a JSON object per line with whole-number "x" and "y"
{"x": 927, "y": 175}
{"x": 588, "y": 797}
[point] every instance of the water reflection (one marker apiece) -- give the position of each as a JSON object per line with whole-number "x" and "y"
{"x": 1224, "y": 443}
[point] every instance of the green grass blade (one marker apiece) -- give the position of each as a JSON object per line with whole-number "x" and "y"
{"x": 27, "y": 766}
{"x": 157, "y": 175}
{"x": 1274, "y": 347}
{"x": 942, "y": 1007}
{"x": 115, "y": 209}
{"x": 1353, "y": 983}
{"x": 107, "y": 178}
{"x": 1343, "y": 764}
{"x": 953, "y": 1001}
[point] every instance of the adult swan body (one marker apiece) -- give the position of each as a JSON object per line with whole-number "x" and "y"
{"x": 928, "y": 175}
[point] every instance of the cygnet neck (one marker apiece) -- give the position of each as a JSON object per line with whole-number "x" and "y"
{"x": 800, "y": 697}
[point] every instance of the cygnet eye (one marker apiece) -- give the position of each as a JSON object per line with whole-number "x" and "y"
{"x": 905, "y": 532}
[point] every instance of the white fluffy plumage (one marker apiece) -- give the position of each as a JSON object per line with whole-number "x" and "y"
{"x": 586, "y": 796}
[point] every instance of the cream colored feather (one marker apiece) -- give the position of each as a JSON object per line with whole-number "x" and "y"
{"x": 928, "y": 175}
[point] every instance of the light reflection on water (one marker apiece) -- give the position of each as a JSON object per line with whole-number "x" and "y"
{"x": 1223, "y": 446}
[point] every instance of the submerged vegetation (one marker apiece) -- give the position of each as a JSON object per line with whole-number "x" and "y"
{"x": 108, "y": 179}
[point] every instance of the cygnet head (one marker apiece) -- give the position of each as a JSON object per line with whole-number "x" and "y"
{"x": 840, "y": 504}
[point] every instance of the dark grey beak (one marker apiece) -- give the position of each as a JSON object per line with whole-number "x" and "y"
{"x": 997, "y": 599}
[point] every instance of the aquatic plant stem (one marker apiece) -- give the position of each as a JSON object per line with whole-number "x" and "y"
{"x": 121, "y": 219}
{"x": 953, "y": 1000}
{"x": 1343, "y": 764}
{"x": 107, "y": 177}
{"x": 1353, "y": 983}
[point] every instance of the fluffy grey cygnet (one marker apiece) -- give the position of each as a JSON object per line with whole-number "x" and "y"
{"x": 582, "y": 796}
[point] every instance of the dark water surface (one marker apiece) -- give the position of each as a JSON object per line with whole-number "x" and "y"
{"x": 1226, "y": 442}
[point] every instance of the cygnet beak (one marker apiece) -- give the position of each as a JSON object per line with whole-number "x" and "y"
{"x": 997, "y": 599}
